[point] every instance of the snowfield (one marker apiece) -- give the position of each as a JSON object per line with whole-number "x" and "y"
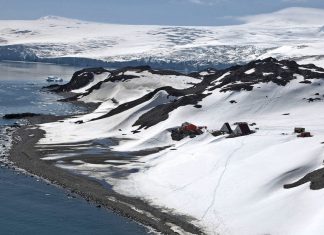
{"x": 293, "y": 33}
{"x": 228, "y": 185}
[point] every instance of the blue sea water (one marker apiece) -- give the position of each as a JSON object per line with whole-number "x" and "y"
{"x": 29, "y": 205}
{"x": 20, "y": 89}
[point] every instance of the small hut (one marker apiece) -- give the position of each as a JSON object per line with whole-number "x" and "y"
{"x": 242, "y": 129}
{"x": 226, "y": 128}
{"x": 304, "y": 134}
{"x": 190, "y": 128}
{"x": 299, "y": 129}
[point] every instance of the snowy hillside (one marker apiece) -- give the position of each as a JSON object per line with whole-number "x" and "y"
{"x": 239, "y": 185}
{"x": 293, "y": 33}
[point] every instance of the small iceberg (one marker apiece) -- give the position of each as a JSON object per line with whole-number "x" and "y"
{"x": 54, "y": 79}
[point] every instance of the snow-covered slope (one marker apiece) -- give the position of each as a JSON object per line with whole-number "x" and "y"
{"x": 293, "y": 33}
{"x": 229, "y": 185}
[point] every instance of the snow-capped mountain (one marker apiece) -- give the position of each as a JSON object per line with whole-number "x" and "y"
{"x": 246, "y": 184}
{"x": 293, "y": 33}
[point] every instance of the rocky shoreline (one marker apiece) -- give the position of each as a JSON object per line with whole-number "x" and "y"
{"x": 25, "y": 155}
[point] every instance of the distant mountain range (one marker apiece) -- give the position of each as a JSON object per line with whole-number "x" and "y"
{"x": 293, "y": 33}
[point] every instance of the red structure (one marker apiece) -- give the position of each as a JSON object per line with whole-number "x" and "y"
{"x": 190, "y": 127}
{"x": 187, "y": 129}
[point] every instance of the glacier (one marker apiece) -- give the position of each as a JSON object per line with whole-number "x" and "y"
{"x": 293, "y": 33}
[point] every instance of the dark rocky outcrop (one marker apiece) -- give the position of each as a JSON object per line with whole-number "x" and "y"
{"x": 165, "y": 72}
{"x": 189, "y": 96}
{"x": 122, "y": 78}
{"x": 315, "y": 178}
{"x": 20, "y": 115}
{"x": 235, "y": 78}
{"x": 279, "y": 72}
{"x": 116, "y": 76}
{"x": 161, "y": 112}
{"x": 313, "y": 99}
{"x": 123, "y": 107}
{"x": 79, "y": 79}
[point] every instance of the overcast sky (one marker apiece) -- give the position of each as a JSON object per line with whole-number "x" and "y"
{"x": 163, "y": 12}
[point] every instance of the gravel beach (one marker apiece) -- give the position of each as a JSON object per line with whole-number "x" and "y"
{"x": 26, "y": 155}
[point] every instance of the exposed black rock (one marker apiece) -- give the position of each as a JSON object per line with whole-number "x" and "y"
{"x": 316, "y": 179}
{"x": 123, "y": 107}
{"x": 236, "y": 78}
{"x": 146, "y": 68}
{"x": 114, "y": 101}
{"x": 20, "y": 115}
{"x": 79, "y": 79}
{"x": 279, "y": 72}
{"x": 161, "y": 112}
{"x": 306, "y": 82}
{"x": 166, "y": 72}
{"x": 313, "y": 99}
{"x": 122, "y": 78}
{"x": 178, "y": 135}
{"x": 137, "y": 69}
{"x": 115, "y": 76}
